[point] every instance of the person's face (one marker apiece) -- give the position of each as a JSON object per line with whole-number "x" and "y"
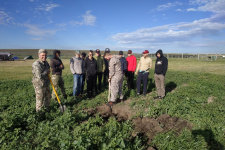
{"x": 129, "y": 55}
{"x": 77, "y": 55}
{"x": 97, "y": 54}
{"x": 43, "y": 56}
{"x": 90, "y": 54}
{"x": 57, "y": 55}
{"x": 158, "y": 55}
{"x": 107, "y": 57}
{"x": 145, "y": 55}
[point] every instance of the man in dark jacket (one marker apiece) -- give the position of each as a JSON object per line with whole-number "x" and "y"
{"x": 106, "y": 71}
{"x": 90, "y": 67}
{"x": 161, "y": 66}
{"x": 57, "y": 67}
{"x": 83, "y": 56}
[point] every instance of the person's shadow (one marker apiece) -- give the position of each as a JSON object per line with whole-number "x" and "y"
{"x": 209, "y": 138}
{"x": 170, "y": 87}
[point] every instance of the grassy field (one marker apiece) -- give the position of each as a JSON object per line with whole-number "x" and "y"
{"x": 195, "y": 93}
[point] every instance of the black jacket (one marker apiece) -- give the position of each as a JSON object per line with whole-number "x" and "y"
{"x": 90, "y": 66}
{"x": 161, "y": 64}
{"x": 55, "y": 64}
{"x": 123, "y": 64}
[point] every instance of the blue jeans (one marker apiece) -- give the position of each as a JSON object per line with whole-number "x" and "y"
{"x": 77, "y": 84}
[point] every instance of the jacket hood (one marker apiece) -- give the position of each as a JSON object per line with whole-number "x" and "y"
{"x": 54, "y": 53}
{"x": 160, "y": 52}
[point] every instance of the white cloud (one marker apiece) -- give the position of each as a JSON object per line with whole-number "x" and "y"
{"x": 168, "y": 5}
{"x": 36, "y": 31}
{"x": 216, "y": 6}
{"x": 87, "y": 19}
{"x": 173, "y": 33}
{"x": 4, "y": 18}
{"x": 47, "y": 7}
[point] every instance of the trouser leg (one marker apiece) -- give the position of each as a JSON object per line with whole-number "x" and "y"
{"x": 162, "y": 85}
{"x": 114, "y": 91}
{"x": 47, "y": 97}
{"x": 158, "y": 84}
{"x": 55, "y": 81}
{"x": 121, "y": 88}
{"x": 75, "y": 80}
{"x": 83, "y": 82}
{"x": 39, "y": 97}
{"x": 139, "y": 77}
{"x": 145, "y": 82}
{"x": 61, "y": 85}
{"x": 99, "y": 80}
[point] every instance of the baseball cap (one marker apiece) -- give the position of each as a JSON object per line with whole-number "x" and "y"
{"x": 42, "y": 51}
{"x": 120, "y": 52}
{"x": 145, "y": 52}
{"x": 97, "y": 51}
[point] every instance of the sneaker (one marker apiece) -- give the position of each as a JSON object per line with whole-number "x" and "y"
{"x": 157, "y": 97}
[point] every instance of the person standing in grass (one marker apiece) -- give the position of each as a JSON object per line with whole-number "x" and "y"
{"x": 83, "y": 56}
{"x": 124, "y": 69}
{"x": 131, "y": 66}
{"x": 142, "y": 71}
{"x": 100, "y": 69}
{"x": 76, "y": 67}
{"x": 161, "y": 66}
{"x": 90, "y": 67}
{"x": 40, "y": 80}
{"x": 115, "y": 76}
{"x": 106, "y": 71}
{"x": 57, "y": 80}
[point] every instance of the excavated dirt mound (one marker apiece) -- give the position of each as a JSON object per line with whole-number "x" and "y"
{"x": 142, "y": 126}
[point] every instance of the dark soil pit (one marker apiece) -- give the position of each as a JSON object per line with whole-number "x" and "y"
{"x": 146, "y": 126}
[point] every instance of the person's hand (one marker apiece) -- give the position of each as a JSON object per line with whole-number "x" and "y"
{"x": 48, "y": 71}
{"x": 136, "y": 73}
{"x": 109, "y": 79}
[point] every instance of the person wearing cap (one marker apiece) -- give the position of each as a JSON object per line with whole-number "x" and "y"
{"x": 161, "y": 65}
{"x": 76, "y": 67}
{"x": 131, "y": 66}
{"x": 90, "y": 67}
{"x": 40, "y": 80}
{"x": 100, "y": 69}
{"x": 106, "y": 71}
{"x": 144, "y": 65}
{"x": 57, "y": 67}
{"x": 83, "y": 56}
{"x": 124, "y": 69}
{"x": 115, "y": 76}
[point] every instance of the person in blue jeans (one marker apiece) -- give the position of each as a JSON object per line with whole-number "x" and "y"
{"x": 76, "y": 67}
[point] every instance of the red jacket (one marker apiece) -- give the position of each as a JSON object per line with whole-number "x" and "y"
{"x": 131, "y": 63}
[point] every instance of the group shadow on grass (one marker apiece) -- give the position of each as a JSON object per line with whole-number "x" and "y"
{"x": 209, "y": 137}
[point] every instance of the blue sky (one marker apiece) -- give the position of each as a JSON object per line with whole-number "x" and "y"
{"x": 175, "y": 26}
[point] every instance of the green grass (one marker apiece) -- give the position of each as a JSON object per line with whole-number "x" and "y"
{"x": 190, "y": 84}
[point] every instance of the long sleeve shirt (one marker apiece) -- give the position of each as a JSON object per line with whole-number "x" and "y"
{"x": 144, "y": 64}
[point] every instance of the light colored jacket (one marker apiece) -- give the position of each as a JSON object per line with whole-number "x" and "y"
{"x": 115, "y": 66}
{"x": 144, "y": 64}
{"x": 76, "y": 65}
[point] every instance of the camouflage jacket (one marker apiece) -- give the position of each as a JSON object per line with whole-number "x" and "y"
{"x": 115, "y": 68}
{"x": 40, "y": 73}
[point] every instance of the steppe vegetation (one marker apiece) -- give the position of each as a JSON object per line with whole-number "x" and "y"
{"x": 192, "y": 115}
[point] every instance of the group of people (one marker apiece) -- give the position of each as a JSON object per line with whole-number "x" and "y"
{"x": 92, "y": 68}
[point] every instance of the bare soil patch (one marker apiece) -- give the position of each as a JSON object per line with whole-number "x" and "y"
{"x": 146, "y": 126}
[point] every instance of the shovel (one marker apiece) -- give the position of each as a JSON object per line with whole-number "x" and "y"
{"x": 109, "y": 92}
{"x": 62, "y": 108}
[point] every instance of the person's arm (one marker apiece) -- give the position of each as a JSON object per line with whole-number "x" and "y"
{"x": 138, "y": 67}
{"x": 150, "y": 64}
{"x": 165, "y": 66}
{"x": 111, "y": 68}
{"x": 72, "y": 66}
{"x": 135, "y": 63}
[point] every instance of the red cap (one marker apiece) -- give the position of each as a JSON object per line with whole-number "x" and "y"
{"x": 145, "y": 52}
